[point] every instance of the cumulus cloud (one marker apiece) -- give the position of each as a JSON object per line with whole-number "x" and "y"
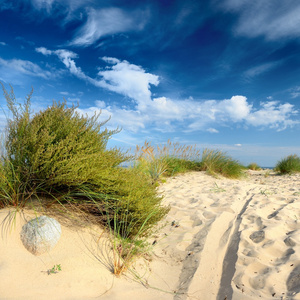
{"x": 274, "y": 20}
{"x": 274, "y": 115}
{"x": 107, "y": 21}
{"x": 127, "y": 79}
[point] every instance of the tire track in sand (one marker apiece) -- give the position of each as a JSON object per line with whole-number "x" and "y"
{"x": 208, "y": 249}
{"x": 231, "y": 256}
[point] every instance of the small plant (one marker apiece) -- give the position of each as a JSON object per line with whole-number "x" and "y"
{"x": 265, "y": 192}
{"x": 288, "y": 165}
{"x": 127, "y": 247}
{"x": 55, "y": 269}
{"x": 217, "y": 189}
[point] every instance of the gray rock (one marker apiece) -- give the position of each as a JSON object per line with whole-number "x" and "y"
{"x": 257, "y": 236}
{"x": 40, "y": 235}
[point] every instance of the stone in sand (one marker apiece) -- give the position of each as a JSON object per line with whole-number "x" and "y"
{"x": 257, "y": 236}
{"x": 40, "y": 235}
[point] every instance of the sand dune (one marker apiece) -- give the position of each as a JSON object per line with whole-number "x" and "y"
{"x": 223, "y": 239}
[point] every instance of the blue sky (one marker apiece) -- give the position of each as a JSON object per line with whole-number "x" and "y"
{"x": 218, "y": 74}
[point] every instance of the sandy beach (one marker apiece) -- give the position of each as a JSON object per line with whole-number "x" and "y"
{"x": 222, "y": 239}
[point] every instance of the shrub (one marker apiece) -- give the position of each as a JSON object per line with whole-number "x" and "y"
{"x": 62, "y": 155}
{"x": 288, "y": 165}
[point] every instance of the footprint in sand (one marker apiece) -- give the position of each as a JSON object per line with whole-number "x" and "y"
{"x": 208, "y": 215}
{"x": 257, "y": 236}
{"x": 293, "y": 281}
{"x": 289, "y": 242}
{"x": 257, "y": 282}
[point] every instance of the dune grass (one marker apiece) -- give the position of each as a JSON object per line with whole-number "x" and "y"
{"x": 217, "y": 162}
{"x": 254, "y": 167}
{"x": 288, "y": 165}
{"x": 173, "y": 158}
{"x": 165, "y": 160}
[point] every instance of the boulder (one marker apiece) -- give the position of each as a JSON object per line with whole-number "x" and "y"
{"x": 40, "y": 235}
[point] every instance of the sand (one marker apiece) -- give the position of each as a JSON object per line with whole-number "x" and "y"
{"x": 223, "y": 239}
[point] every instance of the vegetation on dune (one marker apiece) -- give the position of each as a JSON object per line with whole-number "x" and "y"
{"x": 288, "y": 165}
{"x": 174, "y": 158}
{"x": 218, "y": 162}
{"x": 62, "y": 157}
{"x": 167, "y": 160}
{"x": 254, "y": 167}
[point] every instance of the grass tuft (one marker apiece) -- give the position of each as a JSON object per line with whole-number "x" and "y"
{"x": 288, "y": 165}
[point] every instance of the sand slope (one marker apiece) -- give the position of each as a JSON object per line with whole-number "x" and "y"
{"x": 224, "y": 239}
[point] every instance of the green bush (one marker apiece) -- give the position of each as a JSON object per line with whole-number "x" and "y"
{"x": 288, "y": 165}
{"x": 63, "y": 155}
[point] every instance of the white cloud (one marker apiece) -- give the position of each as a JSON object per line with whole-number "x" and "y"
{"x": 43, "y": 4}
{"x": 273, "y": 115}
{"x": 127, "y": 79}
{"x": 237, "y": 108}
{"x": 260, "y": 69}
{"x": 3, "y": 44}
{"x": 65, "y": 6}
{"x": 295, "y": 92}
{"x": 105, "y": 22}
{"x": 43, "y": 50}
{"x": 274, "y": 19}
{"x": 25, "y": 67}
{"x": 166, "y": 114}
{"x": 67, "y": 58}
{"x": 212, "y": 130}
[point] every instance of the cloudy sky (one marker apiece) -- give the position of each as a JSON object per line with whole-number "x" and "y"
{"x": 221, "y": 74}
